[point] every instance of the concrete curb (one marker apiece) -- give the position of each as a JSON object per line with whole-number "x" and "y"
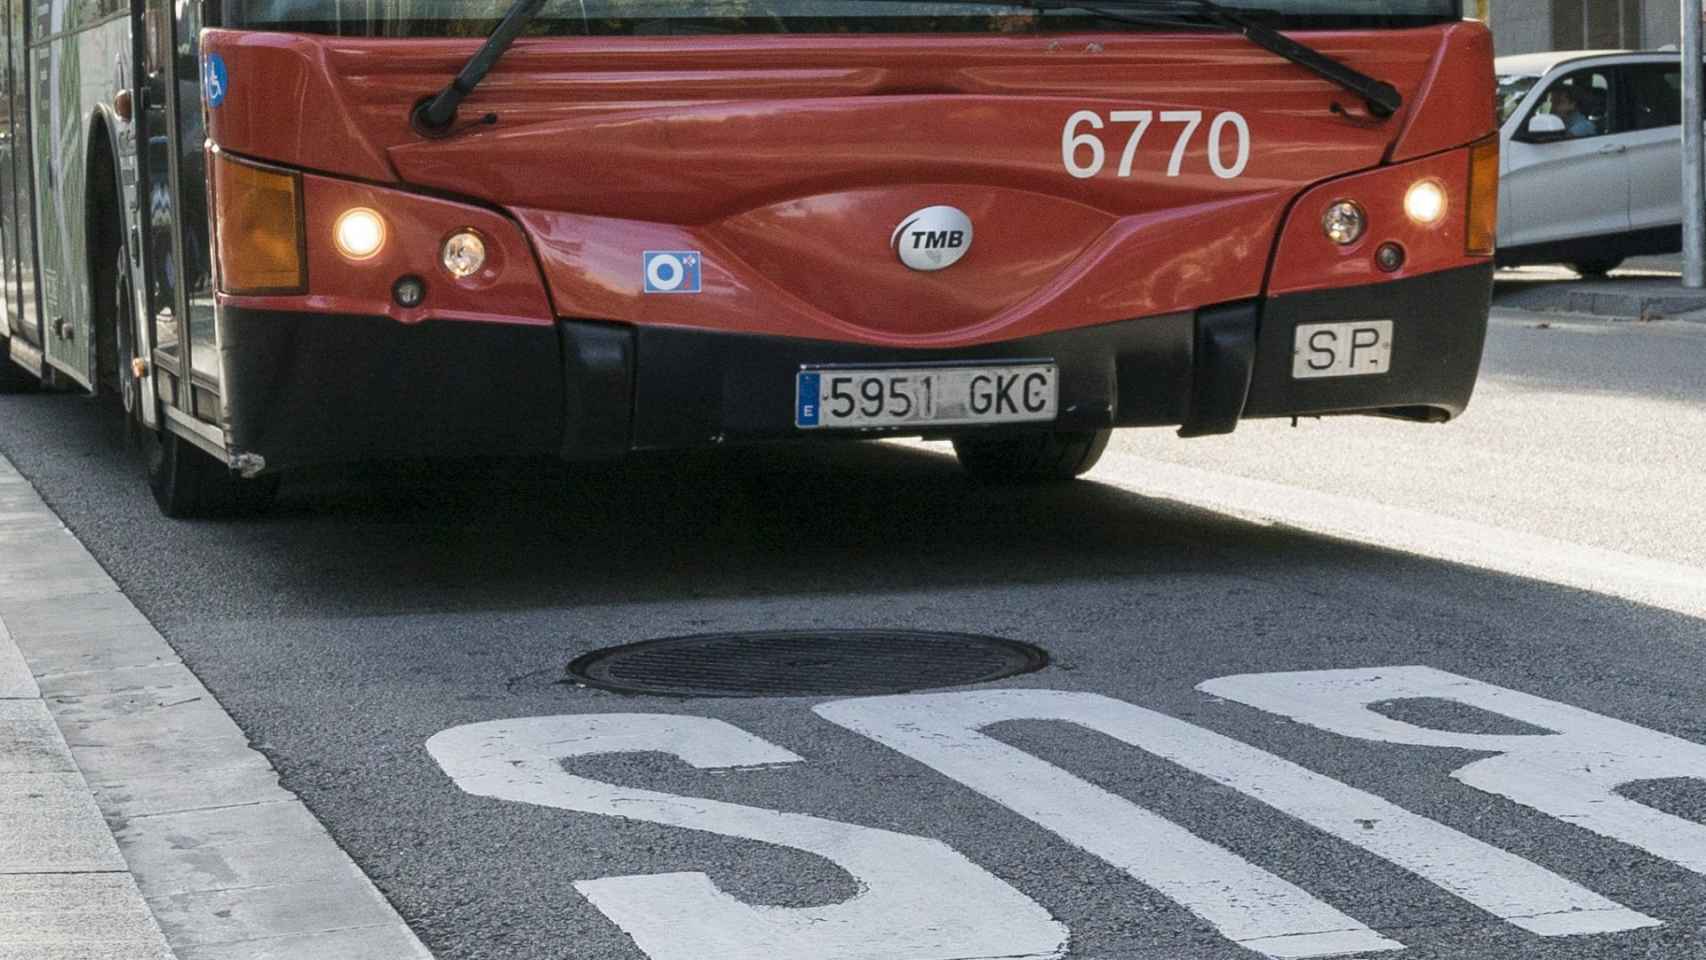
{"x": 1622, "y": 299}
{"x": 210, "y": 851}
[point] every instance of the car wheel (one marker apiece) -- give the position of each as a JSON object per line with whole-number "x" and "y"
{"x": 1015, "y": 458}
{"x": 1596, "y": 268}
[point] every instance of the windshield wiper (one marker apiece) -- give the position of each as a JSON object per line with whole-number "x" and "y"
{"x": 1382, "y": 98}
{"x": 435, "y": 115}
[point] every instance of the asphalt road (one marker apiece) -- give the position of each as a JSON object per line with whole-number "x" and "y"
{"x": 380, "y": 607}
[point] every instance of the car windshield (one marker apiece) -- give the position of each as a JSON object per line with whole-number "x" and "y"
{"x": 1511, "y": 90}
{"x": 407, "y": 18}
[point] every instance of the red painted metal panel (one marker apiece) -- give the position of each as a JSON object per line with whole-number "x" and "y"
{"x": 789, "y": 160}
{"x": 1455, "y": 105}
{"x": 508, "y": 290}
{"x": 1307, "y": 260}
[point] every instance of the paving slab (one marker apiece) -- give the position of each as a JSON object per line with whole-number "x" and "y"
{"x": 135, "y": 780}
{"x": 15, "y": 679}
{"x": 387, "y": 940}
{"x": 30, "y": 741}
{"x": 138, "y": 706}
{"x": 134, "y": 646}
{"x": 77, "y": 917}
{"x": 229, "y": 848}
{"x": 53, "y": 826}
{"x": 101, "y": 612}
{"x": 325, "y": 905}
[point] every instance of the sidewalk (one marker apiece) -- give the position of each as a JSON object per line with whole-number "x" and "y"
{"x": 1645, "y": 288}
{"x": 65, "y": 891}
{"x": 136, "y": 823}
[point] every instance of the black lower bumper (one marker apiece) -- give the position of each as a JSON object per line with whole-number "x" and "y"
{"x": 310, "y": 388}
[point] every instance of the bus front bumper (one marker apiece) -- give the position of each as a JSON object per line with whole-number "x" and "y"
{"x": 315, "y": 388}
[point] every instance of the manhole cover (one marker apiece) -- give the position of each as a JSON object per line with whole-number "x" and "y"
{"x": 805, "y": 663}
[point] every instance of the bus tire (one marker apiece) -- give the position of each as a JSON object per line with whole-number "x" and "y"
{"x": 1029, "y": 458}
{"x": 186, "y": 482}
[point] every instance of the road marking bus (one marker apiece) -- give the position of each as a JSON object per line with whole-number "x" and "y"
{"x": 1571, "y": 771}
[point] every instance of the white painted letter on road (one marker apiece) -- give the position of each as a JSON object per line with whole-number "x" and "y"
{"x": 1247, "y": 904}
{"x": 918, "y": 899}
{"x": 1571, "y": 772}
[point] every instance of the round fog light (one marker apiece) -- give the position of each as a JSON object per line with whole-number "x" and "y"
{"x": 1425, "y": 202}
{"x": 1344, "y": 223}
{"x": 1389, "y": 257}
{"x": 464, "y": 254}
{"x": 409, "y": 292}
{"x": 359, "y": 233}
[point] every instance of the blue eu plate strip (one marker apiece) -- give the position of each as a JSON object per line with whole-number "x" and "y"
{"x": 807, "y": 392}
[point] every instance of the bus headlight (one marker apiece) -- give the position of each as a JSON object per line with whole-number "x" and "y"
{"x": 359, "y": 234}
{"x": 1344, "y": 223}
{"x": 464, "y": 254}
{"x": 1425, "y": 202}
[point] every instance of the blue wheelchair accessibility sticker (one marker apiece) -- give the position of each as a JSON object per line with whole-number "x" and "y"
{"x": 671, "y": 271}
{"x": 214, "y": 80}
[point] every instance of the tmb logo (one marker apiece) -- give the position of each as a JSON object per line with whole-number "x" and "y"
{"x": 933, "y": 238}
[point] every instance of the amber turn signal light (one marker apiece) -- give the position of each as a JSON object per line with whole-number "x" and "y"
{"x": 1483, "y": 231}
{"x": 259, "y": 226}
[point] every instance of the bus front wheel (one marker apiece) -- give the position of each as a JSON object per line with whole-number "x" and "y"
{"x": 186, "y": 482}
{"x": 1026, "y": 458}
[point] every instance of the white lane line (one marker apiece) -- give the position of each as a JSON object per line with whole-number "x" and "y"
{"x": 1571, "y": 773}
{"x": 197, "y": 812}
{"x": 943, "y": 731}
{"x": 918, "y": 899}
{"x": 1658, "y": 583}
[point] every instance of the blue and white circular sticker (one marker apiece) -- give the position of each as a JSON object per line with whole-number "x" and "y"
{"x": 214, "y": 79}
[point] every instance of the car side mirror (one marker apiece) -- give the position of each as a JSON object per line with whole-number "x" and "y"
{"x": 1544, "y": 126}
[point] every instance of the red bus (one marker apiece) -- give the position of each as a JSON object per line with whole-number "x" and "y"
{"x": 289, "y": 232}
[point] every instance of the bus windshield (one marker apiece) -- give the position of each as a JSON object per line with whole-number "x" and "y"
{"x": 457, "y": 18}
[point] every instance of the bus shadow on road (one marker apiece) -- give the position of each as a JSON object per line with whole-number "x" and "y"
{"x": 759, "y": 521}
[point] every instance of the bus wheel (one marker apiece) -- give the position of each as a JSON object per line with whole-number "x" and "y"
{"x": 189, "y": 483}
{"x": 124, "y": 380}
{"x": 185, "y": 481}
{"x": 1016, "y": 458}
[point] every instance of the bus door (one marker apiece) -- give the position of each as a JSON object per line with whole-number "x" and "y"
{"x": 17, "y": 209}
{"x": 178, "y": 252}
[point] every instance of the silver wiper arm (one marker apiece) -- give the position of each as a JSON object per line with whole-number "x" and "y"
{"x": 1382, "y": 98}
{"x": 435, "y": 115}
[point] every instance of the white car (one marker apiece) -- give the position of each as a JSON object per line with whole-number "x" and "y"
{"x": 1591, "y": 155}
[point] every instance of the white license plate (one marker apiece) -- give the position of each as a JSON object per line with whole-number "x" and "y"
{"x": 1353, "y": 349}
{"x": 925, "y": 396}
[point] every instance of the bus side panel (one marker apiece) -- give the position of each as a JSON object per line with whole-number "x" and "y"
{"x": 83, "y": 62}
{"x": 17, "y": 209}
